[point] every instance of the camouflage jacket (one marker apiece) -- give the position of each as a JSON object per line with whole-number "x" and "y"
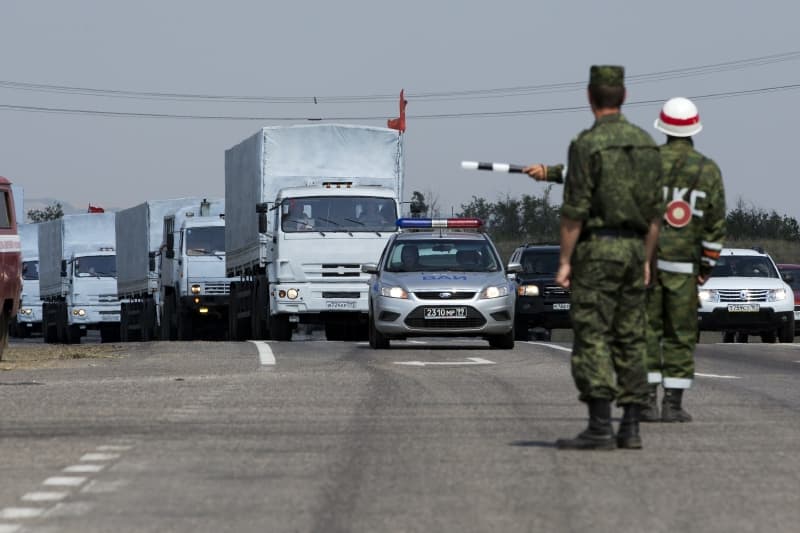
{"x": 695, "y": 179}
{"x": 613, "y": 177}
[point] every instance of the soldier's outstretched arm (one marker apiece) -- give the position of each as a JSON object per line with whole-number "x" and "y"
{"x": 542, "y": 172}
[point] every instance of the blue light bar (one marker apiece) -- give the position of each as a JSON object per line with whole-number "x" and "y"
{"x": 431, "y": 223}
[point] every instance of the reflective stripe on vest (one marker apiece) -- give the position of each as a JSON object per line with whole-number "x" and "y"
{"x": 676, "y": 267}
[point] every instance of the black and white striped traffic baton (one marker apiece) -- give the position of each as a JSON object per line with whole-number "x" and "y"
{"x": 494, "y": 167}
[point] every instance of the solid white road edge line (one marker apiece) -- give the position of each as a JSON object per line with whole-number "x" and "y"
{"x": 715, "y": 376}
{"x": 548, "y": 345}
{"x": 468, "y": 362}
{"x": 265, "y": 354}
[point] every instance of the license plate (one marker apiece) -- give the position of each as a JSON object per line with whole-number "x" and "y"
{"x": 743, "y": 308}
{"x": 560, "y": 307}
{"x": 796, "y": 316}
{"x": 341, "y": 305}
{"x": 445, "y": 312}
{"x": 111, "y": 318}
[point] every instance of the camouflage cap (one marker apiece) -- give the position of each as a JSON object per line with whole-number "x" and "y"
{"x": 611, "y": 75}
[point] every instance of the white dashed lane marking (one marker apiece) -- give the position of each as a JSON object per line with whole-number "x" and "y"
{"x": 86, "y": 468}
{"x": 16, "y": 513}
{"x": 548, "y": 345}
{"x": 265, "y": 354}
{"x": 64, "y": 481}
{"x": 698, "y": 374}
{"x": 99, "y": 456}
{"x": 44, "y": 496}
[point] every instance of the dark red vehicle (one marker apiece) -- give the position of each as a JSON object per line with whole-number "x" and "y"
{"x": 791, "y": 275}
{"x": 10, "y": 262}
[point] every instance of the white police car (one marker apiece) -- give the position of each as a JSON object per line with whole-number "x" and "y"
{"x": 440, "y": 283}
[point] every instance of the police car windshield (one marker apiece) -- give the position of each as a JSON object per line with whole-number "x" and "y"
{"x": 30, "y": 270}
{"x": 442, "y": 255}
{"x": 100, "y": 266}
{"x": 353, "y": 214}
{"x": 744, "y": 266}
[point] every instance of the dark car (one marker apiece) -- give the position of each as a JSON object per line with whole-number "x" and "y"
{"x": 791, "y": 275}
{"x": 542, "y": 305}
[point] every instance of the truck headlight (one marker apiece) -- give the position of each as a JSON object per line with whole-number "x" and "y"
{"x": 776, "y": 295}
{"x": 79, "y": 312}
{"x": 528, "y": 290}
{"x": 394, "y": 292}
{"x": 708, "y": 295}
{"x": 495, "y": 292}
{"x": 195, "y": 289}
{"x": 26, "y": 311}
{"x": 292, "y": 294}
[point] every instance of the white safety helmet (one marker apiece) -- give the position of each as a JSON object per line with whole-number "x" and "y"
{"x": 679, "y": 118}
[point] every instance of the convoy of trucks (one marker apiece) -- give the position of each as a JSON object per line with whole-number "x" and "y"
{"x": 307, "y": 206}
{"x": 77, "y": 278}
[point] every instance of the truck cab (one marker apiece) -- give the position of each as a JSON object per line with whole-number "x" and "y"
{"x": 193, "y": 281}
{"x": 29, "y": 318}
{"x": 10, "y": 262}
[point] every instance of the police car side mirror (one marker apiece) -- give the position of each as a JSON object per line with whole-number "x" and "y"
{"x": 514, "y": 268}
{"x": 369, "y": 268}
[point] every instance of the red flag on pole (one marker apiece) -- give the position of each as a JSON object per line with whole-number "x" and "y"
{"x": 399, "y": 123}
{"x": 95, "y": 209}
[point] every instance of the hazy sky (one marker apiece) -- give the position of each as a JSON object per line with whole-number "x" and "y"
{"x": 375, "y": 48}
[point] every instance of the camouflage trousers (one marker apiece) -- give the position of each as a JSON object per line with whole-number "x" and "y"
{"x": 608, "y": 320}
{"x": 671, "y": 329}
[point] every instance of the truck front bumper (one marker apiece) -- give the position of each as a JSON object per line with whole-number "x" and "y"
{"x": 88, "y": 315}
{"x": 313, "y": 298}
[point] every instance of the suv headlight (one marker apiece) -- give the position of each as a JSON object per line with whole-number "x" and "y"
{"x": 708, "y": 295}
{"x": 494, "y": 292}
{"x": 528, "y": 290}
{"x": 776, "y": 295}
{"x": 394, "y": 292}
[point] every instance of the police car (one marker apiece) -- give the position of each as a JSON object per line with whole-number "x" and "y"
{"x": 441, "y": 282}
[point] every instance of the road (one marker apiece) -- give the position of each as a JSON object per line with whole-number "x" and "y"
{"x": 432, "y": 435}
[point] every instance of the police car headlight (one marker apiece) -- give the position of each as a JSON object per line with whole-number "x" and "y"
{"x": 394, "y": 292}
{"x": 528, "y": 290}
{"x": 195, "y": 289}
{"x": 776, "y": 295}
{"x": 708, "y": 295}
{"x": 495, "y": 292}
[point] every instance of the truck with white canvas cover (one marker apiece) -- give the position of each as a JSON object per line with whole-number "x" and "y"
{"x": 29, "y": 317}
{"x": 78, "y": 278}
{"x": 194, "y": 287}
{"x": 307, "y": 205}
{"x": 139, "y": 237}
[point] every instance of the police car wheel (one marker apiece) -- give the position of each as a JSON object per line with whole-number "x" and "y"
{"x": 377, "y": 340}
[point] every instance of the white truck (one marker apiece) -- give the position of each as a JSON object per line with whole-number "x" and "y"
{"x": 307, "y": 206}
{"x": 78, "y": 277}
{"x": 139, "y": 237}
{"x": 29, "y": 317}
{"x": 194, "y": 287}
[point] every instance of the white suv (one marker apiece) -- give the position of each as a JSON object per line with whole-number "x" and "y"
{"x": 747, "y": 296}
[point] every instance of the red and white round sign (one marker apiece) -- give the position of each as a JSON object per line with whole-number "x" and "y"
{"x": 678, "y": 213}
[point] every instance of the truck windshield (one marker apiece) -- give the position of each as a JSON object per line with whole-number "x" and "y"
{"x": 205, "y": 241}
{"x": 331, "y": 214}
{"x": 30, "y": 270}
{"x": 745, "y": 266}
{"x": 442, "y": 255}
{"x": 100, "y": 266}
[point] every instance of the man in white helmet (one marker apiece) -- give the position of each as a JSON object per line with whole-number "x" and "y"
{"x": 689, "y": 244}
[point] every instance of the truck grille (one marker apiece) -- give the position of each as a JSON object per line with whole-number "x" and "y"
{"x": 340, "y": 294}
{"x": 330, "y": 271}
{"x": 107, "y": 298}
{"x": 416, "y": 319}
{"x": 450, "y": 295}
{"x": 743, "y": 295}
{"x": 217, "y": 287}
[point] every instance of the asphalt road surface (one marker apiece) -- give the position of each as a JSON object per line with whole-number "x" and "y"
{"x": 430, "y": 436}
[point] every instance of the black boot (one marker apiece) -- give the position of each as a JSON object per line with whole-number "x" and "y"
{"x": 599, "y": 435}
{"x": 650, "y": 411}
{"x": 628, "y": 435}
{"x": 671, "y": 410}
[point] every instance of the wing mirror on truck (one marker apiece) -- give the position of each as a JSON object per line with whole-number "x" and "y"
{"x": 152, "y": 263}
{"x": 262, "y": 209}
{"x": 63, "y": 268}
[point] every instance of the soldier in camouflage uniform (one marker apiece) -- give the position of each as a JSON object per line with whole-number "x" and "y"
{"x": 688, "y": 247}
{"x": 609, "y": 228}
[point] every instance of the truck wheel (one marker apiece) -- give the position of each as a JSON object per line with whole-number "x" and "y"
{"x": 72, "y": 334}
{"x": 377, "y": 340}
{"x": 149, "y": 332}
{"x": 110, "y": 332}
{"x": 786, "y": 332}
{"x": 259, "y": 323}
{"x": 4, "y": 324}
{"x": 502, "y": 342}
{"x": 280, "y": 329}
{"x": 334, "y": 331}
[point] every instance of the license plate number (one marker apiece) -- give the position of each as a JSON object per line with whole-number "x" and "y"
{"x": 560, "y": 307}
{"x": 433, "y": 313}
{"x": 743, "y": 308}
{"x": 796, "y": 315}
{"x": 340, "y": 305}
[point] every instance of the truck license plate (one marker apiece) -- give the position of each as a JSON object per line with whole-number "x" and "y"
{"x": 743, "y": 308}
{"x": 432, "y": 313}
{"x": 796, "y": 316}
{"x": 340, "y": 305}
{"x": 560, "y": 307}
